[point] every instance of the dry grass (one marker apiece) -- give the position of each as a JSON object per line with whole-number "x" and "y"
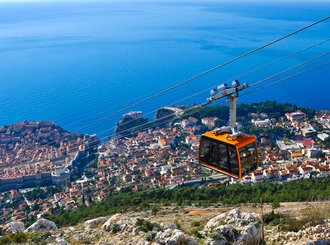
{"x": 199, "y": 212}
{"x": 314, "y": 215}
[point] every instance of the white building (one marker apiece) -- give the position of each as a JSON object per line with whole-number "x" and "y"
{"x": 295, "y": 116}
{"x": 262, "y": 123}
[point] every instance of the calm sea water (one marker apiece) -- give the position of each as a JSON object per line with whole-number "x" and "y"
{"x": 73, "y": 63}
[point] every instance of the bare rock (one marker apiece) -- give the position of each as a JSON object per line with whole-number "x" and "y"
{"x": 234, "y": 216}
{"x": 225, "y": 231}
{"x": 215, "y": 241}
{"x": 61, "y": 241}
{"x": 216, "y": 221}
{"x": 119, "y": 222}
{"x": 14, "y": 227}
{"x": 251, "y": 235}
{"x": 94, "y": 222}
{"x": 42, "y": 225}
{"x": 112, "y": 220}
{"x": 175, "y": 237}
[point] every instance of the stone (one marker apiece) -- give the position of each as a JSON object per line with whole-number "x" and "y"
{"x": 226, "y": 231}
{"x": 94, "y": 222}
{"x": 216, "y": 242}
{"x": 14, "y": 227}
{"x": 119, "y": 222}
{"x": 318, "y": 229}
{"x": 234, "y": 215}
{"x": 42, "y": 225}
{"x": 175, "y": 237}
{"x": 112, "y": 220}
{"x": 251, "y": 235}
{"x": 248, "y": 218}
{"x": 216, "y": 221}
{"x": 61, "y": 241}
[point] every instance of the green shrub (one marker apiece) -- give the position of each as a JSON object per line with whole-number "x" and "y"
{"x": 5, "y": 240}
{"x": 17, "y": 238}
{"x": 290, "y": 224}
{"x": 272, "y": 218}
{"x": 196, "y": 232}
{"x": 155, "y": 210}
{"x": 216, "y": 236}
{"x": 195, "y": 223}
{"x": 145, "y": 225}
{"x": 86, "y": 240}
{"x": 178, "y": 224}
{"x": 115, "y": 228}
{"x": 150, "y": 236}
{"x": 39, "y": 238}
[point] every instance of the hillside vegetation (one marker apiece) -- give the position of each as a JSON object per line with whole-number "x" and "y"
{"x": 294, "y": 191}
{"x": 272, "y": 108}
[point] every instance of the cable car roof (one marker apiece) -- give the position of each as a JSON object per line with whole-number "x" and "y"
{"x": 238, "y": 142}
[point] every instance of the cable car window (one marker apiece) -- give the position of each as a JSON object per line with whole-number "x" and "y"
{"x": 219, "y": 155}
{"x": 248, "y": 156}
{"x": 233, "y": 160}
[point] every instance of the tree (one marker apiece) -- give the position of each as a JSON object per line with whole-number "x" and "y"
{"x": 275, "y": 205}
{"x": 326, "y": 142}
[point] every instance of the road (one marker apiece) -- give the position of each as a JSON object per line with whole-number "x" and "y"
{"x": 198, "y": 181}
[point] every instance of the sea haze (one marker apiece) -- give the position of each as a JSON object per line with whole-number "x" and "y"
{"x": 75, "y": 62}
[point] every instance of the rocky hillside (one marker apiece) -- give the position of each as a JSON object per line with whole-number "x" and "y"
{"x": 172, "y": 225}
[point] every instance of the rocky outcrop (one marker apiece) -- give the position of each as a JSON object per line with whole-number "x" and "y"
{"x": 42, "y": 225}
{"x": 140, "y": 228}
{"x": 233, "y": 227}
{"x": 128, "y": 126}
{"x": 166, "y": 114}
{"x": 174, "y": 237}
{"x": 94, "y": 222}
{"x": 142, "y": 231}
{"x": 319, "y": 234}
{"x": 119, "y": 222}
{"x": 13, "y": 227}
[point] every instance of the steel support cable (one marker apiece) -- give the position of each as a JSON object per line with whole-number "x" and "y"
{"x": 266, "y": 65}
{"x": 239, "y": 76}
{"x": 201, "y": 74}
{"x": 288, "y": 77}
{"x": 258, "y": 82}
{"x": 256, "y": 89}
{"x": 154, "y": 123}
{"x": 161, "y": 120}
{"x": 259, "y": 88}
{"x": 289, "y": 69}
{"x": 263, "y": 80}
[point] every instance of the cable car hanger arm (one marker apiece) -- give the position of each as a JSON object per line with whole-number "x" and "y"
{"x": 231, "y": 93}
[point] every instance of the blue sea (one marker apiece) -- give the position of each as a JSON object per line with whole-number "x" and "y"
{"x": 76, "y": 62}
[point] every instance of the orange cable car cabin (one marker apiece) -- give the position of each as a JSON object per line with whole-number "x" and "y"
{"x": 235, "y": 157}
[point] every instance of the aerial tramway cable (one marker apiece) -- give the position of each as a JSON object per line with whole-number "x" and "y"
{"x": 197, "y": 76}
{"x": 201, "y": 74}
{"x": 288, "y": 77}
{"x": 159, "y": 121}
{"x": 258, "y": 82}
{"x": 244, "y": 74}
{"x": 237, "y": 77}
